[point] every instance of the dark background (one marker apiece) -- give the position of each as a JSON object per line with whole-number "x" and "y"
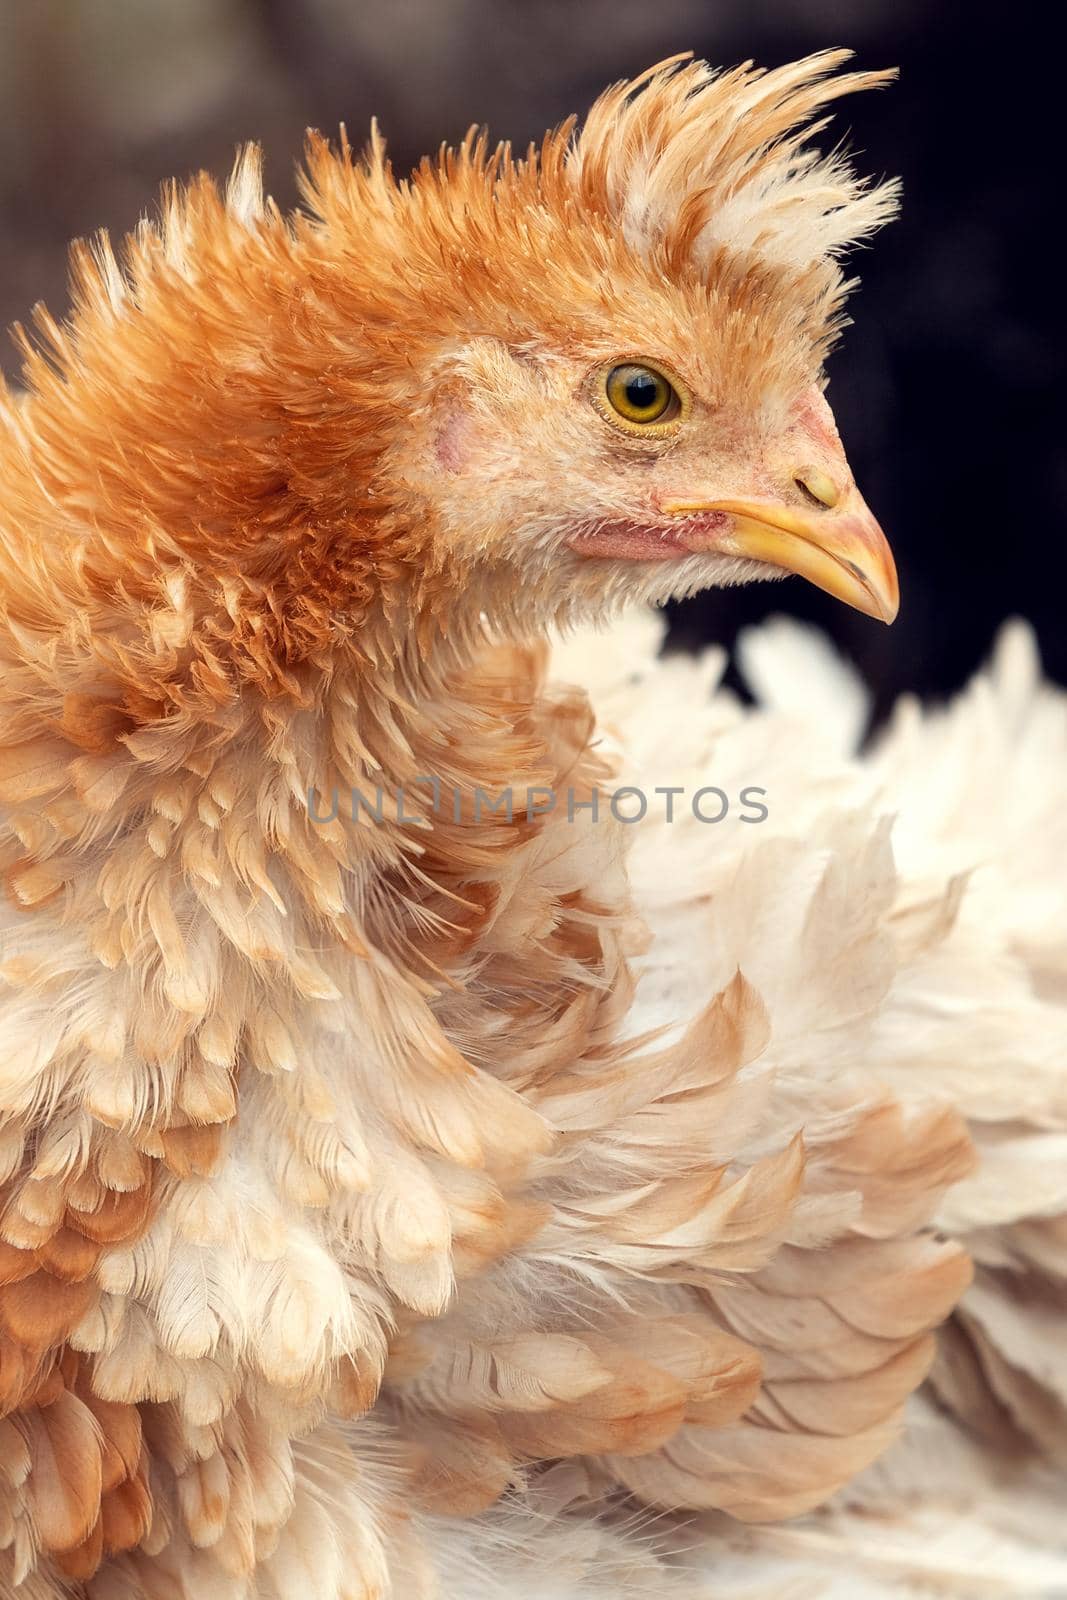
{"x": 947, "y": 387}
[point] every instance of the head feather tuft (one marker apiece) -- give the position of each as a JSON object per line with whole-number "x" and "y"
{"x": 689, "y": 162}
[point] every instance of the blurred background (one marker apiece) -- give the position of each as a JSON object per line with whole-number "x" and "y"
{"x": 945, "y": 388}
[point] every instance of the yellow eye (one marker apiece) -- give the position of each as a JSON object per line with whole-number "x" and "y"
{"x": 640, "y": 394}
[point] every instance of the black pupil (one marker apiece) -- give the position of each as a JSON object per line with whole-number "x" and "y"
{"x": 642, "y": 391}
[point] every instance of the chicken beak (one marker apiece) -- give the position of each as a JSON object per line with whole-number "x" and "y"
{"x": 836, "y": 543}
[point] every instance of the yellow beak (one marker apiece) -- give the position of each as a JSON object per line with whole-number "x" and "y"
{"x": 837, "y": 546}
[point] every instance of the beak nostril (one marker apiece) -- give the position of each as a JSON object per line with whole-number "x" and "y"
{"x": 817, "y": 486}
{"x": 807, "y": 493}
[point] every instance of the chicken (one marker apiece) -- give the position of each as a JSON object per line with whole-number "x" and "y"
{"x": 359, "y": 1237}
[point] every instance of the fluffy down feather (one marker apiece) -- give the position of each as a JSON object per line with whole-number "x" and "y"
{"x": 968, "y": 1011}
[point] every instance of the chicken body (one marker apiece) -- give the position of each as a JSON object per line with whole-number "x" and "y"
{"x": 339, "y": 1195}
{"x": 949, "y": 985}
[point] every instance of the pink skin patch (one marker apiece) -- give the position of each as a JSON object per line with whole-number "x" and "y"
{"x": 448, "y": 446}
{"x": 635, "y": 541}
{"x": 816, "y": 419}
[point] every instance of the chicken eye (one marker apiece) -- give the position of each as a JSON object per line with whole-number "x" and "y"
{"x": 640, "y": 394}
